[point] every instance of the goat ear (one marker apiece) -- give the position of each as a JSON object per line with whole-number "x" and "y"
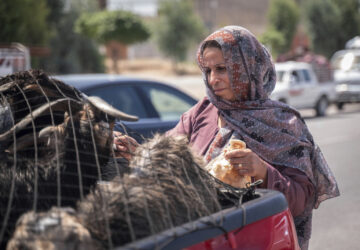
{"x": 105, "y": 107}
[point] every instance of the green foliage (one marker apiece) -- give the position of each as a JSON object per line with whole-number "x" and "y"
{"x": 178, "y": 28}
{"x": 324, "y": 25}
{"x": 331, "y": 23}
{"x": 350, "y": 20}
{"x": 71, "y": 52}
{"x": 44, "y": 23}
{"x": 104, "y": 26}
{"x": 24, "y": 21}
{"x": 274, "y": 40}
{"x": 283, "y": 17}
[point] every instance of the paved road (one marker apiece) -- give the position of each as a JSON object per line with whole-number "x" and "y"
{"x": 336, "y": 223}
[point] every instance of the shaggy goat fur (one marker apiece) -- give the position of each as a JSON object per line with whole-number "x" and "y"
{"x": 166, "y": 188}
{"x": 54, "y": 142}
{"x": 58, "y": 229}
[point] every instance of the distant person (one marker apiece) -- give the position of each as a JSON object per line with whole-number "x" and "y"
{"x": 239, "y": 76}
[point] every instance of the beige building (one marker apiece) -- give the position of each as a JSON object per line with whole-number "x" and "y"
{"x": 250, "y": 14}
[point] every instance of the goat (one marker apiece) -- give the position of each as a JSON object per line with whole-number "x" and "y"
{"x": 54, "y": 141}
{"x": 164, "y": 187}
{"x": 58, "y": 229}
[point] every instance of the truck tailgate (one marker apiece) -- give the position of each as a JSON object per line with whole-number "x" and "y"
{"x": 262, "y": 223}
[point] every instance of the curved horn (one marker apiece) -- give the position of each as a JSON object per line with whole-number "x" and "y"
{"x": 7, "y": 86}
{"x": 27, "y": 119}
{"x": 108, "y": 109}
{"x": 48, "y": 130}
{"x": 23, "y": 142}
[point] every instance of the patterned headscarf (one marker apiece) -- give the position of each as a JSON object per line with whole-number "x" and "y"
{"x": 271, "y": 129}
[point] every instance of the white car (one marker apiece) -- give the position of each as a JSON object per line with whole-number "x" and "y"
{"x": 298, "y": 86}
{"x": 346, "y": 65}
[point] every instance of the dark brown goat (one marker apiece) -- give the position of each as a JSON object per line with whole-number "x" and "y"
{"x": 166, "y": 187}
{"x": 58, "y": 229}
{"x": 53, "y": 143}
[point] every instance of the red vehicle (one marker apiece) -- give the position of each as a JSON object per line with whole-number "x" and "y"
{"x": 263, "y": 222}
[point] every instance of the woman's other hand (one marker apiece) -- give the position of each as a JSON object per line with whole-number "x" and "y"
{"x": 248, "y": 163}
{"x": 124, "y": 145}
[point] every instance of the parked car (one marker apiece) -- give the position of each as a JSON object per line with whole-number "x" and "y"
{"x": 158, "y": 105}
{"x": 298, "y": 86}
{"x": 346, "y": 65}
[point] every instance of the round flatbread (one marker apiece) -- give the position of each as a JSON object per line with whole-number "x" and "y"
{"x": 220, "y": 168}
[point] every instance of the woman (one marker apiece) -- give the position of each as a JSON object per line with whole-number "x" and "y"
{"x": 239, "y": 76}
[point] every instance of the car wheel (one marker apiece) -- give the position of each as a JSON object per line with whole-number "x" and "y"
{"x": 340, "y": 105}
{"x": 321, "y": 106}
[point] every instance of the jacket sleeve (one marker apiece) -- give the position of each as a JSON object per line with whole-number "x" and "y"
{"x": 183, "y": 127}
{"x": 294, "y": 184}
{"x": 187, "y": 120}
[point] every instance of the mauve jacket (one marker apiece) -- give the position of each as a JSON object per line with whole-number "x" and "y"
{"x": 200, "y": 125}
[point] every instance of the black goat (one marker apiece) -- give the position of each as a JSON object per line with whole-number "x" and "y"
{"x": 53, "y": 143}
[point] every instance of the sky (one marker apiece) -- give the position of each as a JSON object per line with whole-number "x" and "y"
{"x": 141, "y": 7}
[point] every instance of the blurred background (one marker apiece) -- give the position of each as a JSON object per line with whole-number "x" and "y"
{"x": 113, "y": 36}
{"x": 158, "y": 39}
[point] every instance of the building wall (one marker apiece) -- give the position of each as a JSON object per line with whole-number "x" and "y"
{"x": 250, "y": 14}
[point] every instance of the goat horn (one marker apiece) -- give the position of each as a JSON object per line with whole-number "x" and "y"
{"x": 7, "y": 86}
{"x": 110, "y": 110}
{"x": 47, "y": 130}
{"x": 22, "y": 143}
{"x": 27, "y": 119}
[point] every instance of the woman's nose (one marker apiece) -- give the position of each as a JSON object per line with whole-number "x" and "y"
{"x": 213, "y": 78}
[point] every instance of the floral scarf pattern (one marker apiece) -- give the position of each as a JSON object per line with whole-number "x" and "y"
{"x": 273, "y": 130}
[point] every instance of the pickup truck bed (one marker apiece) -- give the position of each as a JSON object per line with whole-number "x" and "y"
{"x": 298, "y": 86}
{"x": 264, "y": 222}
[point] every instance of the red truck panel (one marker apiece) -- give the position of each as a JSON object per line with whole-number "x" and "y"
{"x": 275, "y": 233}
{"x": 264, "y": 222}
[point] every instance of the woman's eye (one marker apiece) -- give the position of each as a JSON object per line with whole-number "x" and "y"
{"x": 207, "y": 71}
{"x": 221, "y": 68}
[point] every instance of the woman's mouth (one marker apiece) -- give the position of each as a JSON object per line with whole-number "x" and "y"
{"x": 218, "y": 90}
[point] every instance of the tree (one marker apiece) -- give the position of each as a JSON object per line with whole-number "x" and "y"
{"x": 324, "y": 25}
{"x": 274, "y": 40}
{"x": 70, "y": 51}
{"x": 177, "y": 28}
{"x": 105, "y": 26}
{"x": 24, "y": 21}
{"x": 350, "y": 20}
{"x": 283, "y": 17}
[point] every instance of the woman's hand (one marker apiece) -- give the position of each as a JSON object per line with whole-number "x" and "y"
{"x": 124, "y": 145}
{"x": 247, "y": 163}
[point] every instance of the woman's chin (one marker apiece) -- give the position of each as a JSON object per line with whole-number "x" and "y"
{"x": 227, "y": 98}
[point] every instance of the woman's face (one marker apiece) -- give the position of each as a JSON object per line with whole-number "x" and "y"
{"x": 216, "y": 73}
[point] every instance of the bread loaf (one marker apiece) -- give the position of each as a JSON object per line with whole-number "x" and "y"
{"x": 221, "y": 168}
